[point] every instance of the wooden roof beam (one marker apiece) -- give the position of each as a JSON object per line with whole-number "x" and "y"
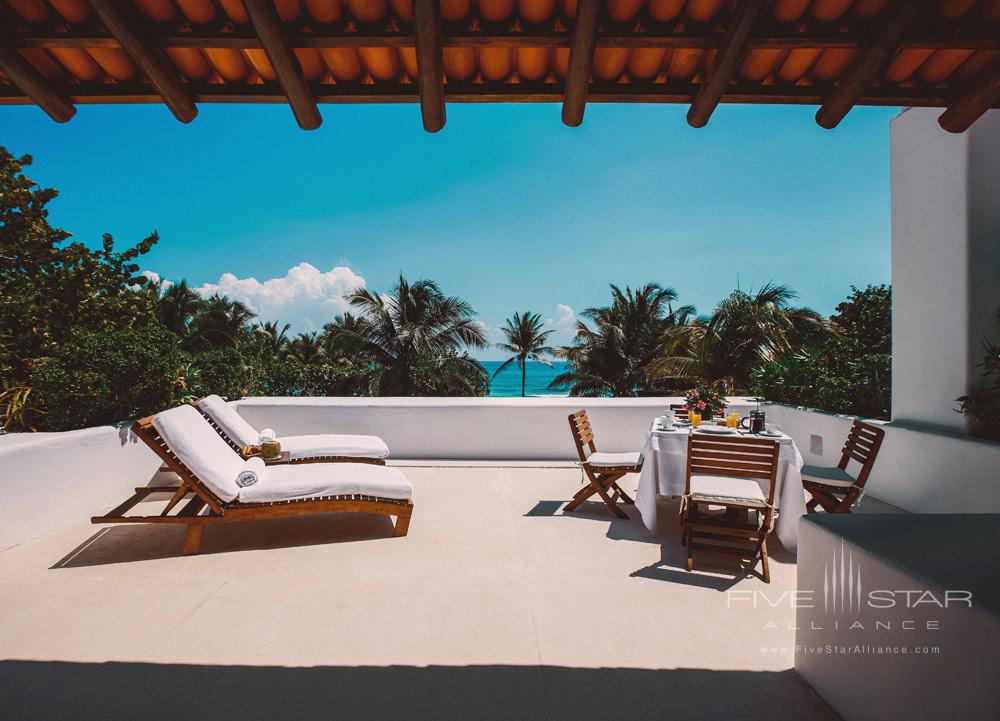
{"x": 726, "y": 64}
{"x": 430, "y": 62}
{"x": 31, "y": 83}
{"x": 967, "y": 109}
{"x": 581, "y": 60}
{"x": 273, "y": 37}
{"x": 869, "y": 64}
{"x": 161, "y": 74}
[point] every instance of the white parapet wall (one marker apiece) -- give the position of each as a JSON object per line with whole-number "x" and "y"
{"x": 52, "y": 480}
{"x": 919, "y": 471}
{"x": 511, "y": 429}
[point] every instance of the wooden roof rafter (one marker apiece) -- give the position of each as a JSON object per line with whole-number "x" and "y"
{"x": 42, "y": 92}
{"x": 124, "y": 27}
{"x": 274, "y": 40}
{"x": 430, "y": 62}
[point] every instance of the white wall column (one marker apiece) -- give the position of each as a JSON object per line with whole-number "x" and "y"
{"x": 945, "y": 262}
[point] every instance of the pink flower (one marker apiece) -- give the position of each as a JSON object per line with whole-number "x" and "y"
{"x": 701, "y": 405}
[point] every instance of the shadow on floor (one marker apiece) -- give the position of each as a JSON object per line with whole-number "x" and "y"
{"x": 126, "y": 543}
{"x": 40, "y": 690}
{"x": 713, "y": 570}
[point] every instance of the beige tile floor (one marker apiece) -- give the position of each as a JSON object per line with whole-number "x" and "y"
{"x": 496, "y": 605}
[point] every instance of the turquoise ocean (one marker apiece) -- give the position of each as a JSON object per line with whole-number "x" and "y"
{"x": 508, "y": 383}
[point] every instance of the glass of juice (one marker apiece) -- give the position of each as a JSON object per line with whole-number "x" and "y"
{"x": 695, "y": 419}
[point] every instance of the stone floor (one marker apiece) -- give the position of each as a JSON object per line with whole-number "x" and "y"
{"x": 496, "y": 605}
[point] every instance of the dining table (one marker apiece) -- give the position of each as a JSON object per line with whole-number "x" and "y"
{"x": 664, "y": 466}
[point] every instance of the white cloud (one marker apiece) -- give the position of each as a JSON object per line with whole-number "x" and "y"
{"x": 155, "y": 278}
{"x": 305, "y": 296}
{"x": 564, "y": 325}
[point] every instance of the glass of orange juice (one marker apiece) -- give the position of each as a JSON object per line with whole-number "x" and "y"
{"x": 732, "y": 420}
{"x": 695, "y": 418}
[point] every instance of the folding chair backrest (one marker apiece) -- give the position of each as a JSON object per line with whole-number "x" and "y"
{"x": 862, "y": 446}
{"x": 583, "y": 434}
{"x": 737, "y": 457}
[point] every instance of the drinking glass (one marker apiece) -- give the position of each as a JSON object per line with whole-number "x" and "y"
{"x": 732, "y": 420}
{"x": 695, "y": 419}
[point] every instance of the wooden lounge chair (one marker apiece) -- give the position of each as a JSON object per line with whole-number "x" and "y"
{"x": 208, "y": 469}
{"x": 835, "y": 489}
{"x": 316, "y": 448}
{"x": 725, "y": 471}
{"x": 603, "y": 470}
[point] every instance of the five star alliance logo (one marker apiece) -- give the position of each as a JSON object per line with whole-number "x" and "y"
{"x": 842, "y": 583}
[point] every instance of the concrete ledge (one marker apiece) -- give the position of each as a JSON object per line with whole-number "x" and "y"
{"x": 525, "y": 429}
{"x": 52, "y": 480}
{"x": 898, "y": 616}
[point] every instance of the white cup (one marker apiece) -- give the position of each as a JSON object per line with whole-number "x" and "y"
{"x": 667, "y": 422}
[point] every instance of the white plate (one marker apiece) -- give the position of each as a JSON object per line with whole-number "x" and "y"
{"x": 769, "y": 434}
{"x": 719, "y": 430}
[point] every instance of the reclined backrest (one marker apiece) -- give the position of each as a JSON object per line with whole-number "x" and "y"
{"x": 196, "y": 444}
{"x": 229, "y": 420}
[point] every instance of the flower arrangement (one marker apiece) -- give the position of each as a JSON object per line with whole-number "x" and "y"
{"x": 702, "y": 399}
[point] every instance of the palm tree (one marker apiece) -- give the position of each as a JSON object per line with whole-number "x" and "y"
{"x": 177, "y": 305}
{"x": 221, "y": 322}
{"x": 746, "y": 330}
{"x": 274, "y": 336}
{"x": 306, "y": 348}
{"x": 611, "y": 358}
{"x": 526, "y": 340}
{"x": 412, "y": 331}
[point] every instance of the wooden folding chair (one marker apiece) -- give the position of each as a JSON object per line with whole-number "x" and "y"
{"x": 835, "y": 489}
{"x": 726, "y": 471}
{"x": 602, "y": 470}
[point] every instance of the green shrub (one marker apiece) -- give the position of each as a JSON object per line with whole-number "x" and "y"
{"x": 228, "y": 372}
{"x": 107, "y": 377}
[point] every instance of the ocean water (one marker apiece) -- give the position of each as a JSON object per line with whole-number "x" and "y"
{"x": 539, "y": 375}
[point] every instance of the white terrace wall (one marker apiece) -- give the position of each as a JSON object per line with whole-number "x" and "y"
{"x": 52, "y": 480}
{"x": 917, "y": 470}
{"x": 509, "y": 429}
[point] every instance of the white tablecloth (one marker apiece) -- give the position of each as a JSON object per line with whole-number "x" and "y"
{"x": 664, "y": 466}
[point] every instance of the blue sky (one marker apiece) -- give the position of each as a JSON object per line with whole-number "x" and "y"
{"x": 505, "y": 207}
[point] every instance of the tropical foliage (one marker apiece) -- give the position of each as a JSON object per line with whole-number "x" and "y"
{"x": 982, "y": 404}
{"x": 526, "y": 340}
{"x": 85, "y": 338}
{"x": 614, "y": 353}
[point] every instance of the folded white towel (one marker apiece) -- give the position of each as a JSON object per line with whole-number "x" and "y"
{"x": 253, "y": 472}
{"x": 266, "y": 435}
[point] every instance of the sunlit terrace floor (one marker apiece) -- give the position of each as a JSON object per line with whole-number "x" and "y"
{"x": 497, "y": 605}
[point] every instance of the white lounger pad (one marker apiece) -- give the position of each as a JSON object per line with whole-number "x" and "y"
{"x": 334, "y": 444}
{"x": 297, "y": 481}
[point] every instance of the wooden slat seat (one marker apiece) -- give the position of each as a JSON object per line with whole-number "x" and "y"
{"x": 602, "y": 470}
{"x": 835, "y": 490}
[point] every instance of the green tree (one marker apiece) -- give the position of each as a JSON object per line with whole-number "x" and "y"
{"x": 177, "y": 305}
{"x": 51, "y": 288}
{"x": 413, "y": 332}
{"x": 526, "y": 341}
{"x": 846, "y": 371}
{"x": 221, "y": 323}
{"x": 612, "y": 358}
{"x": 746, "y": 331}
{"x": 108, "y": 376}
{"x": 274, "y": 336}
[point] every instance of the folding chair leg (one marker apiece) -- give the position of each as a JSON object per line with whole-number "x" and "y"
{"x": 192, "y": 542}
{"x": 844, "y": 506}
{"x": 811, "y": 505}
{"x": 612, "y": 506}
{"x": 626, "y": 498}
{"x": 763, "y": 561}
{"x": 690, "y": 552}
{"x": 582, "y": 495}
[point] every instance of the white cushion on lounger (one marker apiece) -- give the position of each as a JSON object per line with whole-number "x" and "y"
{"x": 231, "y": 422}
{"x": 610, "y": 460}
{"x": 725, "y": 488}
{"x": 285, "y": 482}
{"x": 201, "y": 449}
{"x": 828, "y": 476}
{"x": 334, "y": 444}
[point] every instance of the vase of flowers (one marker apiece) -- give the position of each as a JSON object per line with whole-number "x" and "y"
{"x": 705, "y": 400}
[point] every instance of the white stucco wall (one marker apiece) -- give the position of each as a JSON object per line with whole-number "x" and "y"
{"x": 53, "y": 480}
{"x": 945, "y": 261}
{"x": 917, "y": 470}
{"x": 532, "y": 429}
